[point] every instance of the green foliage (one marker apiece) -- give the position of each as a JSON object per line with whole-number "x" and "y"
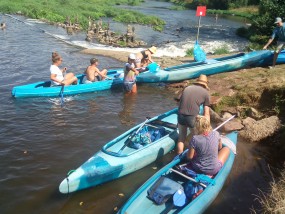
{"x": 243, "y": 32}
{"x": 227, "y": 101}
{"x": 279, "y": 101}
{"x": 222, "y": 50}
{"x": 178, "y": 7}
{"x": 58, "y": 10}
{"x": 263, "y": 24}
{"x": 190, "y": 52}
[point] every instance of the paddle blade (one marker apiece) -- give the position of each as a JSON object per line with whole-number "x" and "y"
{"x": 179, "y": 198}
{"x": 199, "y": 54}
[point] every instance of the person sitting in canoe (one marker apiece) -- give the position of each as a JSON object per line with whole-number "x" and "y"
{"x": 57, "y": 75}
{"x": 93, "y": 73}
{"x": 143, "y": 58}
{"x": 130, "y": 75}
{"x": 206, "y": 154}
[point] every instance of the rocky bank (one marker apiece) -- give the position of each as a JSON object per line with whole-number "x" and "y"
{"x": 255, "y": 94}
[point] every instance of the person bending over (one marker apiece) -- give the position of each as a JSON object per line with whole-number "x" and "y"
{"x": 206, "y": 154}
{"x": 57, "y": 74}
{"x": 92, "y": 72}
{"x": 191, "y": 99}
{"x": 144, "y": 57}
{"x": 279, "y": 31}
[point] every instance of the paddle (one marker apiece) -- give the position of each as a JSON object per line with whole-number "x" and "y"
{"x": 129, "y": 139}
{"x": 61, "y": 96}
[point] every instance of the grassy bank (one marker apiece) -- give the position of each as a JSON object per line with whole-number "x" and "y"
{"x": 245, "y": 12}
{"x": 58, "y": 10}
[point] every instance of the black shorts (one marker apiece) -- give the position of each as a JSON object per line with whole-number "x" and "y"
{"x": 186, "y": 120}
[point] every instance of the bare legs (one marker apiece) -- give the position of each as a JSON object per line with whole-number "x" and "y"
{"x": 224, "y": 154}
{"x": 69, "y": 79}
{"x": 183, "y": 138}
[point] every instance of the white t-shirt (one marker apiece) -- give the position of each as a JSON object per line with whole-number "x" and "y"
{"x": 55, "y": 70}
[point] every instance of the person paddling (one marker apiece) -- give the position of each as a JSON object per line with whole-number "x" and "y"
{"x": 57, "y": 74}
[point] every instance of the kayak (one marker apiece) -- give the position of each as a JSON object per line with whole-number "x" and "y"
{"x": 280, "y": 59}
{"x": 132, "y": 150}
{"x": 45, "y": 88}
{"x": 141, "y": 203}
{"x": 208, "y": 67}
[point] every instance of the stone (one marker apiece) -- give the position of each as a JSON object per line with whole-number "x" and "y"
{"x": 248, "y": 121}
{"x": 215, "y": 117}
{"x": 231, "y": 126}
{"x": 254, "y": 132}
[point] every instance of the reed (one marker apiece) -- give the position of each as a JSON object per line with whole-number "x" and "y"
{"x": 58, "y": 10}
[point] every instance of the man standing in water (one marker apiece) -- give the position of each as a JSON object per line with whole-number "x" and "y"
{"x": 280, "y": 32}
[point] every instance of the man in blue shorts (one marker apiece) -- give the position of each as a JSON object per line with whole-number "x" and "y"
{"x": 278, "y": 31}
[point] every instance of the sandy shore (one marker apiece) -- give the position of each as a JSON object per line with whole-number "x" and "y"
{"x": 123, "y": 56}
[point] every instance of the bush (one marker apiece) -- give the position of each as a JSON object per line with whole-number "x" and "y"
{"x": 222, "y": 50}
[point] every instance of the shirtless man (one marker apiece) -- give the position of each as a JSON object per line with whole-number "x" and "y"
{"x": 92, "y": 72}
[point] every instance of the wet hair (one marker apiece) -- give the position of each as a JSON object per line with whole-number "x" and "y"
{"x": 202, "y": 125}
{"x": 93, "y": 60}
{"x": 55, "y": 57}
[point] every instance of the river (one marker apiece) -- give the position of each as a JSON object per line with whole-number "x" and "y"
{"x": 41, "y": 142}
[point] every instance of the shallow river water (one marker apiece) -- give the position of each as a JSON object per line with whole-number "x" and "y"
{"x": 40, "y": 141}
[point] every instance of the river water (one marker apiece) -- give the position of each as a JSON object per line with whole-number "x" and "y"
{"x": 41, "y": 142}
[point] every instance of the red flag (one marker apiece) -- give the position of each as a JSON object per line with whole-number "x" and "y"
{"x": 201, "y": 11}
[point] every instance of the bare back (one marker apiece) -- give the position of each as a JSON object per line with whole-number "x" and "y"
{"x": 91, "y": 73}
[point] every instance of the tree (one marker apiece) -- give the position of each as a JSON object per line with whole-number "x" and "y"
{"x": 263, "y": 24}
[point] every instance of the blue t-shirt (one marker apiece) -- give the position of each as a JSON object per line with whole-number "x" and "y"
{"x": 206, "y": 149}
{"x": 280, "y": 32}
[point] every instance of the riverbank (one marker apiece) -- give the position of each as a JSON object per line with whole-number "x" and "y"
{"x": 260, "y": 88}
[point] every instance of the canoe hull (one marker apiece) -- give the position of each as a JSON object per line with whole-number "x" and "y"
{"x": 210, "y": 67}
{"x": 139, "y": 203}
{"x": 109, "y": 164}
{"x": 43, "y": 89}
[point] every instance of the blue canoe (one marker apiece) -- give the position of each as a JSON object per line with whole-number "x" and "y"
{"x": 139, "y": 203}
{"x": 280, "y": 59}
{"x": 44, "y": 89}
{"x": 209, "y": 67}
{"x": 117, "y": 159}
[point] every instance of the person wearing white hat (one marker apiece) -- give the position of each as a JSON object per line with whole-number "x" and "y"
{"x": 192, "y": 98}
{"x": 278, "y": 31}
{"x": 145, "y": 56}
{"x": 130, "y": 75}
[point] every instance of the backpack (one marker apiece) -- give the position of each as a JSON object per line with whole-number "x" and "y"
{"x": 163, "y": 189}
{"x": 147, "y": 135}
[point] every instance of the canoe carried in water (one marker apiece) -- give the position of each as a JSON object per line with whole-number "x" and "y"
{"x": 209, "y": 67}
{"x": 133, "y": 150}
{"x": 140, "y": 202}
{"x": 45, "y": 88}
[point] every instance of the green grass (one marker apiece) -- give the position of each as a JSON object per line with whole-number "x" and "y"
{"x": 222, "y": 50}
{"x": 190, "y": 52}
{"x": 58, "y": 10}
